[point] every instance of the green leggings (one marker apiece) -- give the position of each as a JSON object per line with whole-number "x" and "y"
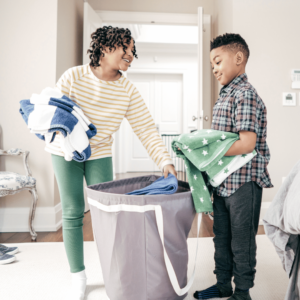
{"x": 69, "y": 176}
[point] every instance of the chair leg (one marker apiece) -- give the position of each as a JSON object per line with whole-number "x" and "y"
{"x": 32, "y": 213}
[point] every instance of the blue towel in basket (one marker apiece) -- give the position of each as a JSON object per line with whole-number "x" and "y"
{"x": 161, "y": 186}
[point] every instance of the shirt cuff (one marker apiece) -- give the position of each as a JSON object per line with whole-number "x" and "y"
{"x": 165, "y": 163}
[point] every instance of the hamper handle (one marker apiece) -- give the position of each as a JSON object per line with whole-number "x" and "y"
{"x": 159, "y": 221}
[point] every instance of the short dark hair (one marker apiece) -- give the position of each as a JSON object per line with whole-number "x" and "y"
{"x": 232, "y": 41}
{"x": 108, "y": 36}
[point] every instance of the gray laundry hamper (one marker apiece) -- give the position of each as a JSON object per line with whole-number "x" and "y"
{"x": 142, "y": 240}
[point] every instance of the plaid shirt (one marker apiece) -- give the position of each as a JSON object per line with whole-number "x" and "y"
{"x": 240, "y": 108}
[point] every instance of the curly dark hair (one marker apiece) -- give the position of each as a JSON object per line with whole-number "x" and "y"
{"x": 108, "y": 36}
{"x": 232, "y": 41}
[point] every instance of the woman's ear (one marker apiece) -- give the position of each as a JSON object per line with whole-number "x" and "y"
{"x": 239, "y": 58}
{"x": 104, "y": 50}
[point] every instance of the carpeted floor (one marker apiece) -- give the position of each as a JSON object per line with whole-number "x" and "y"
{"x": 41, "y": 272}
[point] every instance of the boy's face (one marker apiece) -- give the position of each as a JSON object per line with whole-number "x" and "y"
{"x": 224, "y": 65}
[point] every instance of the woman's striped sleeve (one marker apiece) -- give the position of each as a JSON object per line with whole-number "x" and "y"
{"x": 143, "y": 125}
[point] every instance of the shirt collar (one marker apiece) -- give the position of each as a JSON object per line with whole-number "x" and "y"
{"x": 234, "y": 83}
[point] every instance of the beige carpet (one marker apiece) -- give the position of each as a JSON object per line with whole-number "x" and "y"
{"x": 41, "y": 272}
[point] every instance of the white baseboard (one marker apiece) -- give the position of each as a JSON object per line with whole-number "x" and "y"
{"x": 263, "y": 210}
{"x": 14, "y": 219}
{"x": 50, "y": 218}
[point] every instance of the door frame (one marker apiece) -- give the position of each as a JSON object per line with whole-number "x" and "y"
{"x": 147, "y": 17}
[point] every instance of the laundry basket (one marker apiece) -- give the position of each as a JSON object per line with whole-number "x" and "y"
{"x": 141, "y": 240}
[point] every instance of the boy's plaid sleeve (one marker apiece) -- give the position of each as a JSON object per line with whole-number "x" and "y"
{"x": 247, "y": 112}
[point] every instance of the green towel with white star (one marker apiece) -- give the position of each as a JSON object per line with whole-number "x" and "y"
{"x": 203, "y": 151}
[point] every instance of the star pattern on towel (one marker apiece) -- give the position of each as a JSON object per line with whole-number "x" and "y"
{"x": 185, "y": 147}
{"x": 204, "y": 141}
{"x": 220, "y": 163}
{"x": 190, "y": 150}
{"x": 195, "y": 177}
{"x": 204, "y": 152}
{"x": 196, "y": 132}
{"x": 201, "y": 199}
{"x": 208, "y": 131}
{"x": 204, "y": 187}
{"x": 226, "y": 171}
{"x": 223, "y": 136}
{"x": 192, "y": 189}
{"x": 186, "y": 166}
{"x": 218, "y": 141}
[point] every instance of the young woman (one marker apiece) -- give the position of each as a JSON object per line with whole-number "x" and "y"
{"x": 106, "y": 97}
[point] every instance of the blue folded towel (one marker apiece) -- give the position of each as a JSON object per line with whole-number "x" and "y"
{"x": 161, "y": 186}
{"x": 50, "y": 112}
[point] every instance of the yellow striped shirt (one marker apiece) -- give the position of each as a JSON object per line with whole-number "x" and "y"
{"x": 106, "y": 103}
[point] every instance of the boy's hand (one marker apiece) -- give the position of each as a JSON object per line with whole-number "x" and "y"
{"x": 178, "y": 148}
{"x": 169, "y": 169}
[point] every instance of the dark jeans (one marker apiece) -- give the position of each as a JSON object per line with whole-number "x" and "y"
{"x": 236, "y": 221}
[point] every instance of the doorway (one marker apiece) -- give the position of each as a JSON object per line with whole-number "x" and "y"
{"x": 183, "y": 57}
{"x": 163, "y": 96}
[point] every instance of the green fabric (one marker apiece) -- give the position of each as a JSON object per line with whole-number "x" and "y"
{"x": 69, "y": 176}
{"x": 203, "y": 151}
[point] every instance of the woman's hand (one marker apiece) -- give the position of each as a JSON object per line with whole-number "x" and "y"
{"x": 169, "y": 169}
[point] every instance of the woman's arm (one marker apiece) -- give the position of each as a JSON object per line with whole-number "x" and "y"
{"x": 143, "y": 126}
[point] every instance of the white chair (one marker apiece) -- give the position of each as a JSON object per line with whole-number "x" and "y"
{"x": 12, "y": 183}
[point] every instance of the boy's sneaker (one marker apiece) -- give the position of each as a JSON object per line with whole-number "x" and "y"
{"x": 9, "y": 250}
{"x": 239, "y": 295}
{"x": 6, "y": 258}
{"x": 216, "y": 291}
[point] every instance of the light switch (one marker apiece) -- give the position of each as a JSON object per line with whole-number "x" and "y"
{"x": 289, "y": 99}
{"x": 295, "y": 79}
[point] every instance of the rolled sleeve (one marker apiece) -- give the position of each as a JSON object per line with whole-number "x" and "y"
{"x": 246, "y": 112}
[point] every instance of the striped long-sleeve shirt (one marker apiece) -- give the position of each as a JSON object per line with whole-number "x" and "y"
{"x": 106, "y": 103}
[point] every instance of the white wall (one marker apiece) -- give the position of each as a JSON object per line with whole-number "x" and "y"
{"x": 69, "y": 35}
{"x": 28, "y": 64}
{"x": 271, "y": 29}
{"x": 39, "y": 40}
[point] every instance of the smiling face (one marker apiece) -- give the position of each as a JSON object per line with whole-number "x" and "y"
{"x": 226, "y": 65}
{"x": 117, "y": 59}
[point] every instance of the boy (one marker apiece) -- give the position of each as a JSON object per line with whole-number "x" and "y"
{"x": 237, "y": 200}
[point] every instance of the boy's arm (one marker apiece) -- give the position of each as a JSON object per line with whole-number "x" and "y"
{"x": 247, "y": 124}
{"x": 244, "y": 145}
